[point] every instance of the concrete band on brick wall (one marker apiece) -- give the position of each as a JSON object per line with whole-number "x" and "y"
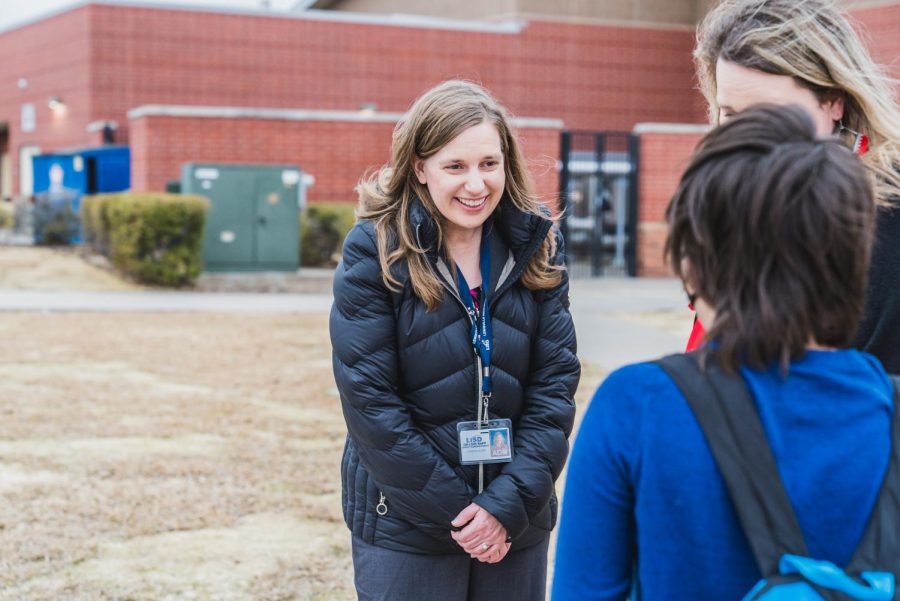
{"x": 97, "y": 126}
{"x": 671, "y": 128}
{"x": 229, "y": 112}
{"x": 623, "y": 23}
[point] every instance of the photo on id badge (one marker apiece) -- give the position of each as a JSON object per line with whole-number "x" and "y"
{"x": 499, "y": 443}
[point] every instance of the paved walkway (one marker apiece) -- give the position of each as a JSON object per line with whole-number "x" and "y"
{"x": 163, "y": 302}
{"x": 608, "y": 313}
{"x": 610, "y": 324}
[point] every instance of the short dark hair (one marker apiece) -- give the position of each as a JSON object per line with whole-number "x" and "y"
{"x": 772, "y": 227}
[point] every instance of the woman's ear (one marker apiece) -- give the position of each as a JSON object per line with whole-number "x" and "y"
{"x": 687, "y": 275}
{"x": 835, "y": 107}
{"x": 419, "y": 168}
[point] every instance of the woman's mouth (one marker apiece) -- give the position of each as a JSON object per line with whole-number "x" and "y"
{"x": 471, "y": 203}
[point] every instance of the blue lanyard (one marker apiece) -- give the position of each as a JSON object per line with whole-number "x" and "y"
{"x": 481, "y": 333}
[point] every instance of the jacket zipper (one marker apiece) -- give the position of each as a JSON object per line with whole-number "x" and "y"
{"x": 482, "y": 403}
{"x": 472, "y": 319}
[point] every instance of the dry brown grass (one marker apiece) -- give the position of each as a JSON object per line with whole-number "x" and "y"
{"x": 169, "y": 456}
{"x": 61, "y": 269}
{"x": 160, "y": 456}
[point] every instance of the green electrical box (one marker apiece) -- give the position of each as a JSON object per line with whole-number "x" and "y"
{"x": 253, "y": 218}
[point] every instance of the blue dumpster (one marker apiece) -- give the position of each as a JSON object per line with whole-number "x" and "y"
{"x": 62, "y": 178}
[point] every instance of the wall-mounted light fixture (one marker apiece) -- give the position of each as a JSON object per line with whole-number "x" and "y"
{"x": 368, "y": 109}
{"x": 57, "y": 105}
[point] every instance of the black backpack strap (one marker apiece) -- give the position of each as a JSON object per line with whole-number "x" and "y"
{"x": 727, "y": 415}
{"x": 880, "y": 545}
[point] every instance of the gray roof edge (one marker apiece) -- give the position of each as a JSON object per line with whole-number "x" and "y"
{"x": 43, "y": 15}
{"x": 510, "y": 26}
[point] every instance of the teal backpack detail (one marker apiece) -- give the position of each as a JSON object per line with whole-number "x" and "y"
{"x": 727, "y": 415}
{"x": 803, "y": 572}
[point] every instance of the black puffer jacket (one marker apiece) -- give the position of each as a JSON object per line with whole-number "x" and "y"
{"x": 407, "y": 376}
{"x": 879, "y": 331}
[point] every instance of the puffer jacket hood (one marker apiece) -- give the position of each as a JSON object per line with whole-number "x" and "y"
{"x": 407, "y": 377}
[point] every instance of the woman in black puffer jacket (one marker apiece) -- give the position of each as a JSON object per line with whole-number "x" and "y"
{"x": 445, "y": 501}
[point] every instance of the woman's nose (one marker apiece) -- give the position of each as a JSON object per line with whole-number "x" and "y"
{"x": 474, "y": 183}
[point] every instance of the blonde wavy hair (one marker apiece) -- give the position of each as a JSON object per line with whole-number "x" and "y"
{"x": 813, "y": 41}
{"x": 436, "y": 118}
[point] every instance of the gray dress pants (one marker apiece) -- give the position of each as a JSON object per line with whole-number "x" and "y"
{"x": 385, "y": 575}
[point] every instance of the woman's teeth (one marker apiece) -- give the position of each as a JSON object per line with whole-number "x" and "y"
{"x": 472, "y": 203}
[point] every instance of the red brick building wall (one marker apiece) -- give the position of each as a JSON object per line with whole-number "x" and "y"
{"x": 881, "y": 31}
{"x": 592, "y": 77}
{"x": 106, "y": 60}
{"x": 664, "y": 154}
{"x": 336, "y": 153}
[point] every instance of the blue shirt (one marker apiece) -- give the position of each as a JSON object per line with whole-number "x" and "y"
{"x": 642, "y": 481}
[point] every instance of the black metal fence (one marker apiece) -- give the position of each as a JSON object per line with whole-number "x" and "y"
{"x": 598, "y": 190}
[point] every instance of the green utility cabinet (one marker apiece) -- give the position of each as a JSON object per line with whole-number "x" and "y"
{"x": 253, "y": 218}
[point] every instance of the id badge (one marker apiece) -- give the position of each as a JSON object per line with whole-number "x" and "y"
{"x": 490, "y": 443}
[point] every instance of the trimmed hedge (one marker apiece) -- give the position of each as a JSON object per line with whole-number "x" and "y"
{"x": 153, "y": 238}
{"x": 323, "y": 227}
{"x": 7, "y": 216}
{"x": 95, "y": 223}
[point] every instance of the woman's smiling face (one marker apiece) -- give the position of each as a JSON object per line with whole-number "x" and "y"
{"x": 466, "y": 178}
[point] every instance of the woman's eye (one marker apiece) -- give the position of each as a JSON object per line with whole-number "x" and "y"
{"x": 456, "y": 167}
{"x": 490, "y": 164}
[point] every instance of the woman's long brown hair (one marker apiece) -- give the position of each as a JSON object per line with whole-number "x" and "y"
{"x": 436, "y": 118}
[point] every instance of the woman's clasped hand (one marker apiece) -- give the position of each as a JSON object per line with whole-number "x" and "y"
{"x": 480, "y": 534}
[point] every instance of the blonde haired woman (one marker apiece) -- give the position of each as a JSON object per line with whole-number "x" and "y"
{"x": 450, "y": 321}
{"x": 807, "y": 52}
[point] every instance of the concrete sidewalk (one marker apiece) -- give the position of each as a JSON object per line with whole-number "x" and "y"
{"x": 163, "y": 302}
{"x": 611, "y": 315}
{"x": 612, "y": 324}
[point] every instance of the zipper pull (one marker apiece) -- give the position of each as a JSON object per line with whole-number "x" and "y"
{"x": 381, "y": 508}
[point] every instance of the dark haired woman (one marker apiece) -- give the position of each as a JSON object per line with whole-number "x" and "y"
{"x": 807, "y": 52}
{"x": 770, "y": 231}
{"x": 451, "y": 329}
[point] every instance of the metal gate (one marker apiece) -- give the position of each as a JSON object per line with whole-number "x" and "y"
{"x": 598, "y": 195}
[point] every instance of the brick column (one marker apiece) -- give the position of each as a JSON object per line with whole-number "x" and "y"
{"x": 665, "y": 150}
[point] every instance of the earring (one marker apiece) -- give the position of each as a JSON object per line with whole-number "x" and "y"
{"x": 860, "y": 140}
{"x": 692, "y": 298}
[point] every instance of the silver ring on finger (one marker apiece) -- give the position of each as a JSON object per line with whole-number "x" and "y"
{"x": 485, "y": 546}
